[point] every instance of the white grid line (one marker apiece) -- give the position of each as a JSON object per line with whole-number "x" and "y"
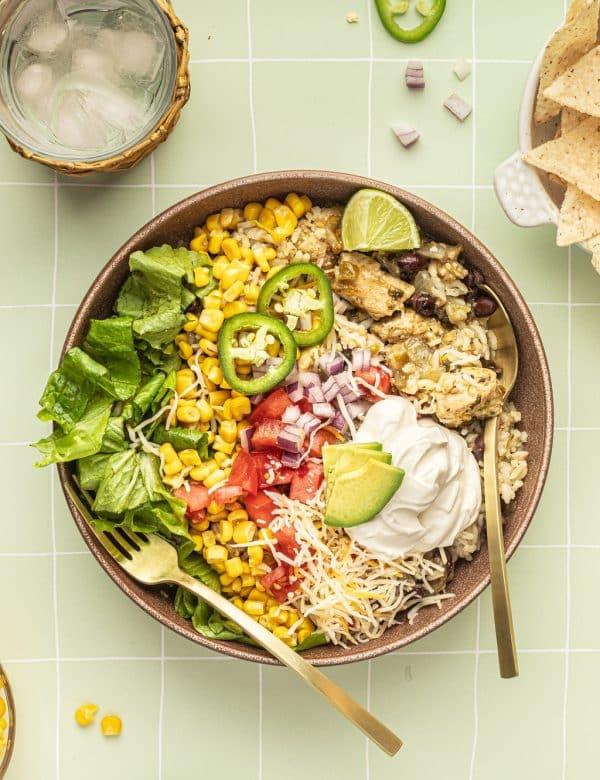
{"x": 378, "y": 60}
{"x": 260, "y": 721}
{"x": 476, "y": 692}
{"x": 52, "y": 493}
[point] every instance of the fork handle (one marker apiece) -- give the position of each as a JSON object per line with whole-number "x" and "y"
{"x": 505, "y": 635}
{"x": 351, "y": 709}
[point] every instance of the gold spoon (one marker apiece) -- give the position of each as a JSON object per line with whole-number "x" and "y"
{"x": 507, "y": 359}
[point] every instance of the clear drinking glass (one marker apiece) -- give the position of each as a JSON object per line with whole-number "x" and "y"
{"x": 84, "y": 81}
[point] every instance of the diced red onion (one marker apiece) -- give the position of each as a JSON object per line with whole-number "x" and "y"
{"x": 291, "y": 414}
{"x": 361, "y": 359}
{"x": 349, "y": 395}
{"x": 332, "y": 365}
{"x": 357, "y": 408}
{"x": 273, "y": 361}
{"x": 339, "y": 423}
{"x": 308, "y": 378}
{"x": 292, "y": 377}
{"x": 291, "y": 459}
{"x": 305, "y": 323}
{"x": 295, "y": 392}
{"x": 457, "y": 106}
{"x": 315, "y": 394}
{"x": 291, "y": 439}
{"x": 308, "y": 422}
{"x": 323, "y": 410}
{"x": 330, "y": 389}
{"x": 258, "y": 371}
{"x": 256, "y": 399}
{"x": 406, "y": 134}
{"x": 245, "y": 437}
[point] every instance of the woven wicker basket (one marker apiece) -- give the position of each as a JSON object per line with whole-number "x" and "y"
{"x": 161, "y": 131}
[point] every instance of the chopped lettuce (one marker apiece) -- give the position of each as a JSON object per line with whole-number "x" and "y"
{"x": 82, "y": 439}
{"x": 114, "y": 439}
{"x": 90, "y": 470}
{"x": 182, "y": 439}
{"x": 110, "y": 343}
{"x": 194, "y": 564}
{"x": 136, "y": 409}
{"x": 155, "y": 295}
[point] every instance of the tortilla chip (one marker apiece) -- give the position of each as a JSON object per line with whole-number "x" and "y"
{"x": 579, "y": 87}
{"x": 568, "y": 44}
{"x": 569, "y": 119}
{"x": 575, "y": 157}
{"x": 579, "y": 217}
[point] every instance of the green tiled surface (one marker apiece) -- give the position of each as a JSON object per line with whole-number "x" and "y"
{"x": 310, "y": 97}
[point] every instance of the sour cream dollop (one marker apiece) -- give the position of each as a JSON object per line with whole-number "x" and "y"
{"x": 441, "y": 491}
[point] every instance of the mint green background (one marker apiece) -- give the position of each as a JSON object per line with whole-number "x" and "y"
{"x": 280, "y": 84}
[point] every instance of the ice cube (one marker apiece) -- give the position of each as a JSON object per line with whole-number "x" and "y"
{"x": 139, "y": 55}
{"x": 33, "y": 81}
{"x": 48, "y": 38}
{"x": 91, "y": 61}
{"x": 116, "y": 107}
{"x": 75, "y": 126}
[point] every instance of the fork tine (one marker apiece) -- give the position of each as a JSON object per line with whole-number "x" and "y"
{"x": 126, "y": 539}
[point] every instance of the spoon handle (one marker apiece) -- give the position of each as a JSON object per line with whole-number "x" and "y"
{"x": 505, "y": 635}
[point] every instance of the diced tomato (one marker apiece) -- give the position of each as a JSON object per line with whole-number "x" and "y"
{"x": 305, "y": 405}
{"x": 260, "y": 508}
{"x": 306, "y": 481}
{"x": 196, "y": 517}
{"x": 277, "y": 582}
{"x": 244, "y": 472}
{"x": 270, "y": 469}
{"x": 377, "y": 377}
{"x": 286, "y": 542}
{"x": 227, "y": 494}
{"x": 272, "y": 408}
{"x": 266, "y": 433}
{"x": 196, "y": 498}
{"x": 320, "y": 438}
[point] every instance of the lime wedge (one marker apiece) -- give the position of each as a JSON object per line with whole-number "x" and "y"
{"x": 375, "y": 221}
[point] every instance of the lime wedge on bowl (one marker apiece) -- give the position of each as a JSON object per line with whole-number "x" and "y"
{"x": 375, "y": 221}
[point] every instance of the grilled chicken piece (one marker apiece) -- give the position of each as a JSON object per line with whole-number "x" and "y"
{"x": 469, "y": 393}
{"x": 408, "y": 323}
{"x": 362, "y": 281}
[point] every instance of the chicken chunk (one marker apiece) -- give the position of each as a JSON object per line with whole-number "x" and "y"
{"x": 409, "y": 323}
{"x": 472, "y": 392}
{"x": 362, "y": 281}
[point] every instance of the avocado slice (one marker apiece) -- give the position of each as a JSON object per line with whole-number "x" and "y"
{"x": 350, "y": 460}
{"x": 333, "y": 452}
{"x": 357, "y": 496}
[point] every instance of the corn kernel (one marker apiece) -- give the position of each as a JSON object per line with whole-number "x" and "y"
{"x": 85, "y": 714}
{"x": 274, "y": 270}
{"x": 238, "y": 602}
{"x": 214, "y": 478}
{"x": 184, "y": 379}
{"x": 225, "y": 531}
{"x": 233, "y": 567}
{"x": 201, "y": 276}
{"x": 216, "y": 553}
{"x": 303, "y": 635}
{"x": 286, "y": 219}
{"x": 240, "y": 407}
{"x": 191, "y": 324}
{"x": 228, "y": 431}
{"x": 282, "y": 633}
{"x": 209, "y": 538}
{"x": 247, "y": 256}
{"x": 200, "y": 473}
{"x": 230, "y": 218}
{"x": 111, "y": 725}
{"x": 259, "y": 571}
{"x": 251, "y": 292}
{"x": 218, "y": 397}
{"x": 220, "y": 266}
{"x": 255, "y": 555}
{"x": 257, "y": 595}
{"x": 238, "y": 515}
{"x": 231, "y": 249}
{"x": 236, "y": 585}
{"x": 244, "y": 531}
{"x": 213, "y": 222}
{"x": 215, "y": 240}
{"x": 168, "y": 452}
{"x": 197, "y": 539}
{"x": 211, "y": 319}
{"x": 189, "y": 457}
{"x": 278, "y": 615}
{"x": 306, "y": 202}
{"x": 254, "y": 607}
{"x": 252, "y": 210}
{"x": 215, "y": 375}
{"x": 200, "y": 243}
{"x": 213, "y": 300}
{"x": 220, "y": 457}
{"x": 243, "y": 370}
{"x": 234, "y": 292}
{"x": 188, "y": 414}
{"x": 266, "y": 219}
{"x": 246, "y": 567}
{"x": 180, "y": 338}
{"x": 233, "y": 308}
{"x": 205, "y": 410}
{"x": 208, "y": 347}
{"x": 223, "y": 446}
{"x": 185, "y": 350}
{"x": 293, "y": 617}
{"x": 264, "y": 621}
{"x": 224, "y": 578}
{"x": 214, "y": 509}
{"x": 174, "y": 467}
{"x": 295, "y": 204}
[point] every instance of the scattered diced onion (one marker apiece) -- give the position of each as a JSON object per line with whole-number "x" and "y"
{"x": 457, "y": 106}
{"x": 323, "y": 410}
{"x": 361, "y": 359}
{"x": 315, "y": 394}
{"x": 330, "y": 389}
{"x": 414, "y": 75}
{"x": 291, "y": 438}
{"x": 291, "y": 414}
{"x": 339, "y": 423}
{"x": 291, "y": 459}
{"x": 308, "y": 378}
{"x": 406, "y": 134}
{"x": 295, "y": 392}
{"x": 332, "y": 364}
{"x": 357, "y": 408}
{"x": 308, "y": 422}
{"x": 462, "y": 69}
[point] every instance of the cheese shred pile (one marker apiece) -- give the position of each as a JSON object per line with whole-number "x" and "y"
{"x": 348, "y": 594}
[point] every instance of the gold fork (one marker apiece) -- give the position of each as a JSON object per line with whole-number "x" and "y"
{"x": 153, "y": 561}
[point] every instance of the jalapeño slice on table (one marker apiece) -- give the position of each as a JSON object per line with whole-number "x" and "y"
{"x": 247, "y": 337}
{"x": 301, "y": 295}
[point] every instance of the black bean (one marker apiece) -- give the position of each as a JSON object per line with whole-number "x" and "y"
{"x": 478, "y": 448}
{"x": 410, "y": 263}
{"x": 484, "y": 306}
{"x": 474, "y": 278}
{"x": 423, "y": 304}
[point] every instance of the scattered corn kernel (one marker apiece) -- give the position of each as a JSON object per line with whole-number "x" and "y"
{"x": 303, "y": 635}
{"x": 185, "y": 350}
{"x": 306, "y": 202}
{"x": 225, "y": 531}
{"x": 244, "y": 531}
{"x": 214, "y": 478}
{"x": 211, "y": 320}
{"x": 252, "y": 210}
{"x": 266, "y": 219}
{"x": 200, "y": 243}
{"x": 254, "y": 607}
{"x": 168, "y": 452}
{"x": 85, "y": 714}
{"x": 220, "y": 445}
{"x": 228, "y": 431}
{"x": 188, "y": 414}
{"x": 213, "y": 300}
{"x": 240, "y": 407}
{"x": 281, "y": 632}
{"x": 215, "y": 375}
{"x": 220, "y": 457}
{"x": 257, "y": 595}
{"x": 251, "y": 292}
{"x": 174, "y": 467}
{"x": 295, "y": 204}
{"x": 111, "y": 725}
{"x": 208, "y": 347}
{"x": 231, "y": 217}
{"x": 214, "y": 508}
{"x": 231, "y": 249}
{"x": 224, "y": 578}
{"x": 209, "y": 538}
{"x": 255, "y": 555}
{"x": 238, "y": 515}
{"x": 200, "y": 473}
{"x": 213, "y": 222}
{"x": 218, "y": 397}
{"x": 216, "y": 553}
{"x": 201, "y": 276}
{"x": 191, "y": 324}
{"x": 189, "y": 457}
{"x": 184, "y": 379}
{"x": 233, "y": 567}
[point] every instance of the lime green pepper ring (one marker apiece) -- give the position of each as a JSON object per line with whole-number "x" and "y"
{"x": 388, "y": 10}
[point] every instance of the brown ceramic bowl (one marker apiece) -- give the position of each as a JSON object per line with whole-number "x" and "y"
{"x": 532, "y": 393}
{"x": 9, "y": 716}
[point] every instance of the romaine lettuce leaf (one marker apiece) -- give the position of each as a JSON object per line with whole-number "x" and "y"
{"x": 194, "y": 564}
{"x": 114, "y": 436}
{"x": 182, "y": 439}
{"x": 82, "y": 439}
{"x": 90, "y": 470}
{"x": 142, "y": 401}
{"x": 110, "y": 343}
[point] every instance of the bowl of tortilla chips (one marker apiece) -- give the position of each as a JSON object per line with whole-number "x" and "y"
{"x": 554, "y": 177}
